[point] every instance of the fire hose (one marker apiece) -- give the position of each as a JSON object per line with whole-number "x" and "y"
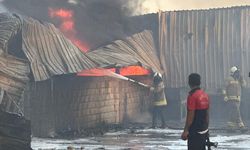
{"x": 209, "y": 144}
{"x": 115, "y": 75}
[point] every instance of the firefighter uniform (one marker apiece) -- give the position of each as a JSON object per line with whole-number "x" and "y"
{"x": 159, "y": 95}
{"x": 232, "y": 95}
{"x": 159, "y": 104}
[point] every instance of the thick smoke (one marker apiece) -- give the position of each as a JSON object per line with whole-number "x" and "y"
{"x": 97, "y": 22}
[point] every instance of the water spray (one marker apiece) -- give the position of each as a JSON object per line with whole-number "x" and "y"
{"x": 118, "y": 76}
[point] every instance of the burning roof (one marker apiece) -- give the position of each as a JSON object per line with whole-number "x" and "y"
{"x": 44, "y": 50}
{"x": 138, "y": 49}
{"x": 49, "y": 52}
{"x": 28, "y": 45}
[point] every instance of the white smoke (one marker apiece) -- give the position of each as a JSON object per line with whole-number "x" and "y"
{"x": 2, "y": 7}
{"x": 152, "y": 6}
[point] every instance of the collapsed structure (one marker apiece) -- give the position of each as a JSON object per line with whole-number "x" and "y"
{"x": 204, "y": 41}
{"x": 23, "y": 58}
{"x": 34, "y": 51}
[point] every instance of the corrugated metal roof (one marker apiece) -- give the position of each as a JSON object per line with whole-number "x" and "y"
{"x": 205, "y": 41}
{"x": 206, "y": 9}
{"x": 134, "y": 50}
{"x": 13, "y": 71}
{"x": 47, "y": 53}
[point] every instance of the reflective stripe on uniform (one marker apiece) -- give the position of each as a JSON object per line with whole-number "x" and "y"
{"x": 234, "y": 82}
{"x": 234, "y": 98}
{"x": 160, "y": 102}
{"x": 203, "y": 132}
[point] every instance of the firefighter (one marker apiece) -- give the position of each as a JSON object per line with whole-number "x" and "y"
{"x": 196, "y": 127}
{"x": 159, "y": 100}
{"x": 232, "y": 95}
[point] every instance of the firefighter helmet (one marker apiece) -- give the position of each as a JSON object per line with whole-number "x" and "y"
{"x": 157, "y": 78}
{"x": 233, "y": 69}
{"x": 157, "y": 74}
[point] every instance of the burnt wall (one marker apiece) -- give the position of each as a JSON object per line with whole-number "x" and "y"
{"x": 74, "y": 103}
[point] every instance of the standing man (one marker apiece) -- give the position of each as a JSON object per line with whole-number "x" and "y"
{"x": 196, "y": 127}
{"x": 232, "y": 95}
{"x": 159, "y": 100}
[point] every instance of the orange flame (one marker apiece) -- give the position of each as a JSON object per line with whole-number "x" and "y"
{"x": 62, "y": 13}
{"x": 94, "y": 72}
{"x": 126, "y": 71}
{"x": 68, "y": 25}
{"x": 134, "y": 70}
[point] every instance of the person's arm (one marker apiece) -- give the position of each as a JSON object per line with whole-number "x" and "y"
{"x": 224, "y": 90}
{"x": 191, "y": 106}
{"x": 189, "y": 121}
{"x": 243, "y": 82}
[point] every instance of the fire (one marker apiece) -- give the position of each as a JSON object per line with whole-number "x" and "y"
{"x": 62, "y": 13}
{"x": 68, "y": 25}
{"x": 80, "y": 44}
{"x": 134, "y": 70}
{"x": 126, "y": 71}
{"x": 94, "y": 72}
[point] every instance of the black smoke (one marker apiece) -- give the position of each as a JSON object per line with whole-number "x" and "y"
{"x": 98, "y": 22}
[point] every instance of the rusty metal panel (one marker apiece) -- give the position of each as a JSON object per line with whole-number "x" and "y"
{"x": 208, "y": 42}
{"x": 13, "y": 79}
{"x": 9, "y": 26}
{"x": 134, "y": 50}
{"x": 46, "y": 52}
{"x": 49, "y": 52}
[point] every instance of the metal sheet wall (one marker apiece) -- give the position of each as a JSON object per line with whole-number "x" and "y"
{"x": 208, "y": 42}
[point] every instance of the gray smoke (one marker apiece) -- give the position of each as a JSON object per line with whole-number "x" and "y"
{"x": 2, "y": 8}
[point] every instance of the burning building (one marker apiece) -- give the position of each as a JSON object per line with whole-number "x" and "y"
{"x": 75, "y": 102}
{"x": 22, "y": 60}
{"x": 36, "y": 51}
{"x": 179, "y": 43}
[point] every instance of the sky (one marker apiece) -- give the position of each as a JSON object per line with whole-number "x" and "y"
{"x": 151, "y": 6}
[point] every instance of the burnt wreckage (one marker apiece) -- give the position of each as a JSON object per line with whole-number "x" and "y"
{"x": 32, "y": 51}
{"x": 26, "y": 56}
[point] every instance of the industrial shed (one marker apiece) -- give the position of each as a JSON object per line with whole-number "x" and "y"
{"x": 75, "y": 102}
{"x": 24, "y": 55}
{"x": 208, "y": 42}
{"x": 23, "y": 59}
{"x": 55, "y": 105}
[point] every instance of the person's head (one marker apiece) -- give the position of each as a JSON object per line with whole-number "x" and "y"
{"x": 194, "y": 80}
{"x": 237, "y": 75}
{"x": 233, "y": 70}
{"x": 157, "y": 78}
